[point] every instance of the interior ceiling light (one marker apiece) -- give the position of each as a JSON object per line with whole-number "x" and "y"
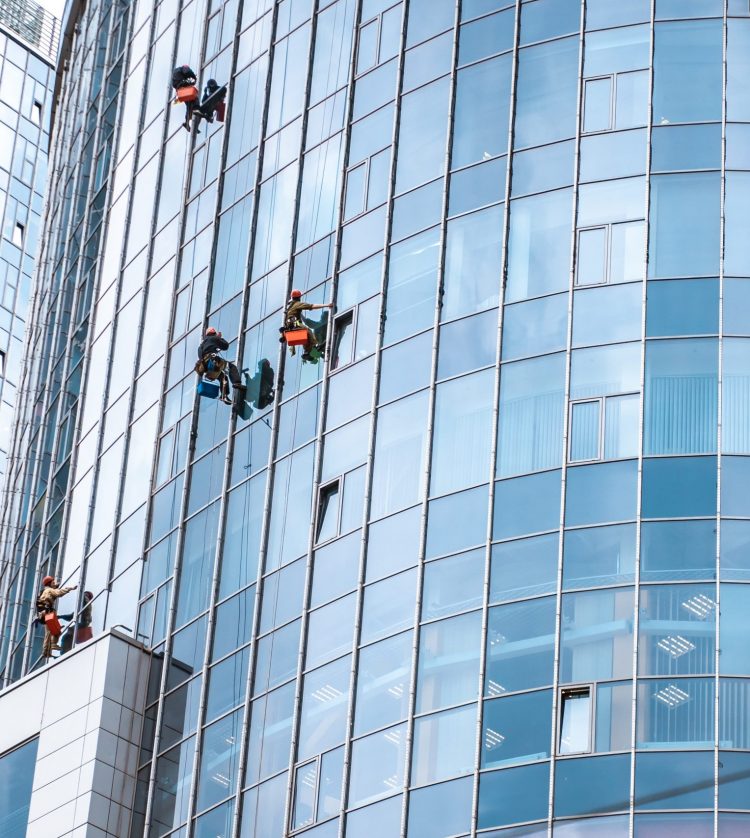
{"x": 700, "y": 606}
{"x": 672, "y": 695}
{"x": 327, "y": 693}
{"x": 675, "y": 645}
{"x": 493, "y": 688}
{"x": 492, "y": 739}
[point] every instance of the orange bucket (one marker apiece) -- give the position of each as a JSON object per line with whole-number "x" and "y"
{"x": 186, "y": 94}
{"x": 296, "y": 337}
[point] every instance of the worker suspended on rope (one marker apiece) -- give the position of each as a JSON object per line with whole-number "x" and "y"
{"x": 213, "y": 368}
{"x": 213, "y": 105}
{"x": 47, "y": 615}
{"x": 183, "y": 82}
{"x": 298, "y": 330}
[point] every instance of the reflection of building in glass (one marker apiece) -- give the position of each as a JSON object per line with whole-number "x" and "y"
{"x": 26, "y": 82}
{"x": 485, "y": 566}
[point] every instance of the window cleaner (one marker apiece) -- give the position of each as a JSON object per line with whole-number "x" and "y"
{"x": 213, "y": 104}
{"x": 183, "y": 82}
{"x": 46, "y": 614}
{"x": 300, "y": 331}
{"x": 216, "y": 372}
{"x": 211, "y": 107}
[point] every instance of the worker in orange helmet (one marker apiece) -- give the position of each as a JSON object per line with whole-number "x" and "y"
{"x": 293, "y": 319}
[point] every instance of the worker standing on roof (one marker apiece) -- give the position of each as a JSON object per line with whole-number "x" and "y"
{"x": 215, "y": 368}
{"x": 45, "y": 606}
{"x": 183, "y": 82}
{"x": 293, "y": 320}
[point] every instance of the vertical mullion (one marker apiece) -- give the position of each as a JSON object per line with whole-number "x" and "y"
{"x": 430, "y": 418}
{"x": 720, "y": 417}
{"x": 641, "y": 421}
{"x": 495, "y": 419}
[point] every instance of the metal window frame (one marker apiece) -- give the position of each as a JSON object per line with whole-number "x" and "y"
{"x": 564, "y": 693}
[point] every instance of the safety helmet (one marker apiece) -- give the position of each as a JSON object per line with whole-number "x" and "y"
{"x": 212, "y": 83}
{"x": 295, "y": 295}
{"x": 210, "y": 331}
{"x": 48, "y": 580}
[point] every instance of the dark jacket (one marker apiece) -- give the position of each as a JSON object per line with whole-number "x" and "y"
{"x": 211, "y": 345}
{"x": 183, "y": 77}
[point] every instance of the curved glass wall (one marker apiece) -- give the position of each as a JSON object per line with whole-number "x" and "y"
{"x": 482, "y": 571}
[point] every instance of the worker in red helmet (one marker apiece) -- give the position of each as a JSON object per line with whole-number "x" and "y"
{"x": 215, "y": 368}
{"x": 293, "y": 319}
{"x": 45, "y": 605}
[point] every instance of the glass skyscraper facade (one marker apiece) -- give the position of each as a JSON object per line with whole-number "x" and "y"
{"x": 28, "y": 40}
{"x": 482, "y": 571}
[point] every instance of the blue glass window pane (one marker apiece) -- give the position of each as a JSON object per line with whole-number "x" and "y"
{"x": 631, "y": 99}
{"x": 270, "y": 733}
{"x": 388, "y": 606}
{"x": 738, "y": 144}
{"x": 615, "y": 50}
{"x": 472, "y": 263}
{"x": 599, "y": 556}
{"x": 393, "y": 544}
{"x": 597, "y": 635}
{"x": 696, "y": 825}
{"x": 457, "y": 522}
{"x": 426, "y": 62}
{"x": 736, "y": 397}
{"x": 477, "y": 186}
{"x": 322, "y": 723}
{"x": 679, "y": 487}
{"x": 601, "y": 13}
{"x": 738, "y": 67}
{"x": 585, "y": 431}
{"x": 621, "y": 425}
{"x": 734, "y": 781}
{"x": 448, "y": 670}
{"x": 219, "y": 759}
{"x": 614, "y": 713}
{"x": 453, "y": 584}
{"x": 399, "y": 454}
{"x": 444, "y": 745}
{"x": 417, "y": 210}
{"x": 682, "y": 307}
{"x": 544, "y": 19}
{"x": 677, "y": 629}
{"x": 331, "y": 629}
{"x": 592, "y": 785}
{"x": 487, "y": 36}
{"x": 524, "y": 568}
{"x": 681, "y": 400}
{"x": 382, "y": 818}
{"x": 736, "y": 206}
{"x": 234, "y": 620}
{"x": 516, "y": 729}
{"x": 527, "y": 505}
{"x": 685, "y": 219}
{"x": 513, "y": 795}
{"x": 467, "y": 344}
{"x": 383, "y": 683}
{"x": 16, "y": 780}
{"x": 277, "y": 657}
{"x": 614, "y": 826}
{"x": 735, "y": 653}
{"x": 532, "y": 406}
{"x": 730, "y": 824}
{"x": 427, "y": 18}
{"x": 735, "y": 551}
{"x": 601, "y": 493}
{"x": 612, "y": 200}
{"x": 606, "y": 315}
{"x": 620, "y": 154}
{"x": 736, "y": 307}
{"x": 227, "y": 684}
{"x": 733, "y": 730}
{"x": 605, "y": 370}
{"x": 405, "y": 368}
{"x": 462, "y": 432}
{"x": 546, "y": 93}
{"x": 674, "y": 781}
{"x": 520, "y": 646}
{"x": 597, "y": 107}
{"x": 263, "y": 808}
{"x": 674, "y": 550}
{"x": 535, "y": 327}
{"x": 735, "y": 472}
{"x": 217, "y": 822}
{"x": 539, "y": 245}
{"x": 482, "y": 111}
{"x": 680, "y": 147}
{"x": 539, "y": 169}
{"x": 282, "y": 595}
{"x": 441, "y": 810}
{"x": 377, "y": 767}
{"x": 666, "y": 9}
{"x": 687, "y": 71}
{"x": 412, "y": 282}
{"x": 335, "y": 569}
{"x": 174, "y": 773}
{"x": 422, "y": 134}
